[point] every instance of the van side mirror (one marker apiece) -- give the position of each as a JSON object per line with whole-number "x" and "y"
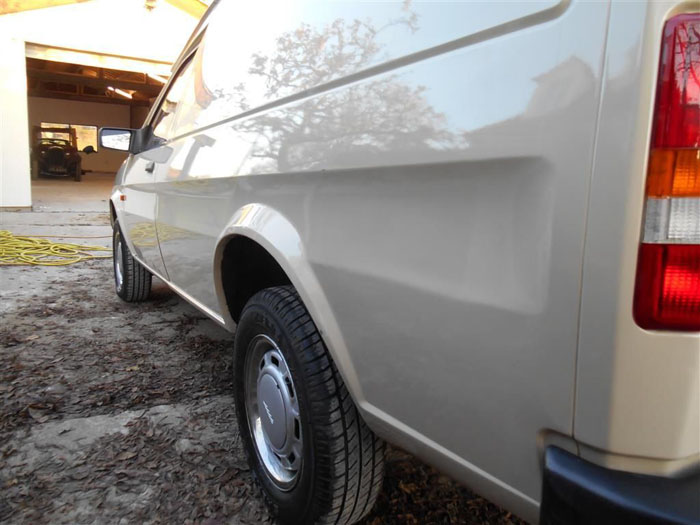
{"x": 116, "y": 138}
{"x": 88, "y": 150}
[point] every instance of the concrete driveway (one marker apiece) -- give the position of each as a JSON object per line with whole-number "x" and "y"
{"x": 120, "y": 413}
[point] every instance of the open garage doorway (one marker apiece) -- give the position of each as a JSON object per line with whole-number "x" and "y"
{"x": 67, "y": 103}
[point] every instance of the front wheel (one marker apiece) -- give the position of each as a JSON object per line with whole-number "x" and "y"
{"x": 314, "y": 456}
{"x": 132, "y": 281}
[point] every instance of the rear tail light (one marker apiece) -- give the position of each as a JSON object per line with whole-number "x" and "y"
{"x": 667, "y": 290}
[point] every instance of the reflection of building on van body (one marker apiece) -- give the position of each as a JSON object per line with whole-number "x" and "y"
{"x": 422, "y": 223}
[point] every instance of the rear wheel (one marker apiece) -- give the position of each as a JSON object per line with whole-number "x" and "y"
{"x": 314, "y": 456}
{"x": 132, "y": 281}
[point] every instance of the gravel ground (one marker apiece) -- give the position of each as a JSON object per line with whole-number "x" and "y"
{"x": 118, "y": 413}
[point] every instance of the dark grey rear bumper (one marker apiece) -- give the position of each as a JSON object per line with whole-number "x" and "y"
{"x": 575, "y": 491}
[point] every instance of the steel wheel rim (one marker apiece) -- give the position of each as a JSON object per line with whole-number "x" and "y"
{"x": 118, "y": 258}
{"x": 272, "y": 409}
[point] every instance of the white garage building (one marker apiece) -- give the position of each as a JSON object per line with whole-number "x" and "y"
{"x": 83, "y": 64}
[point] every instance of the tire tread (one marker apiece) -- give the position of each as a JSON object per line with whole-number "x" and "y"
{"x": 137, "y": 280}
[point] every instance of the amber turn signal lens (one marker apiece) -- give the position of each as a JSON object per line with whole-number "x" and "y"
{"x": 674, "y": 173}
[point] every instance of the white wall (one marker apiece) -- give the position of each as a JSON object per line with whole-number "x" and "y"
{"x": 15, "y": 183}
{"x": 86, "y": 113}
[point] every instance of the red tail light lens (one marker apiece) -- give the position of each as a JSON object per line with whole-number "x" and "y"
{"x": 668, "y": 286}
{"x": 677, "y": 119}
{"x": 667, "y": 290}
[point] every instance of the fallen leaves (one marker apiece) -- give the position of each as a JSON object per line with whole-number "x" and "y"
{"x": 408, "y": 488}
{"x": 414, "y": 493}
{"x": 125, "y": 455}
{"x": 37, "y": 414}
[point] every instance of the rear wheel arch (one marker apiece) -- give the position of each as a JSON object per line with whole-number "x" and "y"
{"x": 246, "y": 267}
{"x": 273, "y": 235}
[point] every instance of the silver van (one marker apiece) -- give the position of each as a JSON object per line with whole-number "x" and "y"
{"x": 471, "y": 229}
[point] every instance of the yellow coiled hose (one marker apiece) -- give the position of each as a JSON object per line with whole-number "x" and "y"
{"x": 18, "y": 250}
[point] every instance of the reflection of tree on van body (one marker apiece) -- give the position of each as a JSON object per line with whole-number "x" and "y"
{"x": 371, "y": 117}
{"x": 308, "y": 57}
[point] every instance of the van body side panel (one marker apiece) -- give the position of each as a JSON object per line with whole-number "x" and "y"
{"x": 440, "y": 203}
{"x": 138, "y": 212}
{"x": 638, "y": 391}
{"x": 336, "y": 43}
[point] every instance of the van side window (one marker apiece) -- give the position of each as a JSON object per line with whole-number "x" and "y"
{"x": 195, "y": 99}
{"x": 163, "y": 121}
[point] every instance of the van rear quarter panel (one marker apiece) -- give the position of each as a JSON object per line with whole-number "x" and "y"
{"x": 439, "y": 195}
{"x": 638, "y": 391}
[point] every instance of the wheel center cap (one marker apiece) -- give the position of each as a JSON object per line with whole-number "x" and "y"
{"x": 272, "y": 412}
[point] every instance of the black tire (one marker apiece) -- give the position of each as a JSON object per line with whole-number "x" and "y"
{"x": 135, "y": 283}
{"x": 343, "y": 461}
{"x": 78, "y": 172}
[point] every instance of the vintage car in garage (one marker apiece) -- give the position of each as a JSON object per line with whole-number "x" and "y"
{"x": 58, "y": 157}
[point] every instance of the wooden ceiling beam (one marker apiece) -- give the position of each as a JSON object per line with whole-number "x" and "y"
{"x": 100, "y": 83}
{"x": 86, "y": 58}
{"x": 86, "y": 98}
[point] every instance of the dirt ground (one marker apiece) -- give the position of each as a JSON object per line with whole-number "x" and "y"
{"x": 119, "y": 413}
